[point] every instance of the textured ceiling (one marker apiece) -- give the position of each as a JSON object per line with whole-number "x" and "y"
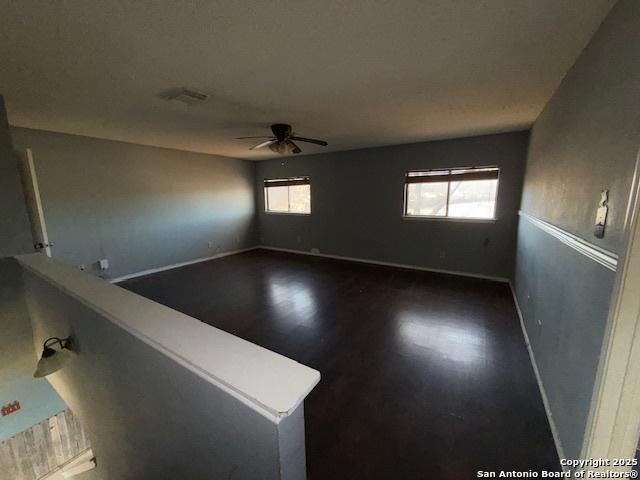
{"x": 355, "y": 73}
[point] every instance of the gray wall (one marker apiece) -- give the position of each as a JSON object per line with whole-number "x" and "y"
{"x": 140, "y": 207}
{"x": 15, "y": 230}
{"x": 15, "y": 238}
{"x": 588, "y": 135}
{"x": 38, "y": 401}
{"x": 586, "y": 139}
{"x": 357, "y": 197}
{"x": 17, "y": 356}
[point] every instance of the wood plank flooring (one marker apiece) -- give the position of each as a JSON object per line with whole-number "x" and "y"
{"x": 424, "y": 375}
{"x": 42, "y": 448}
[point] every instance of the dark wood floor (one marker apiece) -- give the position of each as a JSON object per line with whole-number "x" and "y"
{"x": 424, "y": 375}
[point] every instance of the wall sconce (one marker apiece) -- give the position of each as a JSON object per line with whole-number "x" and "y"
{"x": 53, "y": 360}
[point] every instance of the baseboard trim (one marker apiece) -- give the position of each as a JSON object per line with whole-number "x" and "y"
{"x": 178, "y": 265}
{"x": 387, "y": 264}
{"x": 302, "y": 252}
{"x": 543, "y": 393}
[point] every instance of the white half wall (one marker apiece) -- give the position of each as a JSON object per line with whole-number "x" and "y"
{"x": 163, "y": 395}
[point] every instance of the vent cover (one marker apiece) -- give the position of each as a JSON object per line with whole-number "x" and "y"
{"x": 188, "y": 96}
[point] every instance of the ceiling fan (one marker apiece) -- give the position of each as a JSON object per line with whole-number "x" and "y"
{"x": 282, "y": 140}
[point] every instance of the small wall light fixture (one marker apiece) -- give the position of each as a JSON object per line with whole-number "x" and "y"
{"x": 53, "y": 360}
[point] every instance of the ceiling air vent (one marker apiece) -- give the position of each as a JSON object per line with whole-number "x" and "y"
{"x": 188, "y": 96}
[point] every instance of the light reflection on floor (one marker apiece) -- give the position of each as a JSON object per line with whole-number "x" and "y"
{"x": 449, "y": 339}
{"x": 293, "y": 301}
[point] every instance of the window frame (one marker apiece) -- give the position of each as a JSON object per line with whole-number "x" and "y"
{"x": 285, "y": 182}
{"x": 446, "y": 217}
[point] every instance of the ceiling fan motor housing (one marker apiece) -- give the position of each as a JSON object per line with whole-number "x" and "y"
{"x": 281, "y": 131}
{"x": 283, "y": 140}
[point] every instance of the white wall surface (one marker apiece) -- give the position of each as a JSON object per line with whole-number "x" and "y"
{"x": 163, "y": 395}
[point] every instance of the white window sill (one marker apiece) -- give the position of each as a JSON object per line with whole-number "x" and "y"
{"x": 295, "y": 214}
{"x": 450, "y": 219}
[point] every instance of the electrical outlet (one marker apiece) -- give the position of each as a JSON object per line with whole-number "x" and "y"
{"x": 103, "y": 264}
{"x": 211, "y": 245}
{"x": 443, "y": 254}
{"x": 315, "y": 251}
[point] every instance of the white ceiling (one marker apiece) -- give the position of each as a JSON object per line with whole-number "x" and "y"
{"x": 353, "y": 72}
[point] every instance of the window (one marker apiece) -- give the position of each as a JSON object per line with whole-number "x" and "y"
{"x": 455, "y": 193}
{"x": 288, "y": 195}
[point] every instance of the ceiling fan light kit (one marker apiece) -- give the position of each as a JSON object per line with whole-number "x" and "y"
{"x": 282, "y": 141}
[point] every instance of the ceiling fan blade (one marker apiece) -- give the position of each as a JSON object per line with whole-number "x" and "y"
{"x": 294, "y": 148}
{"x": 310, "y": 140}
{"x": 260, "y": 136}
{"x": 264, "y": 144}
